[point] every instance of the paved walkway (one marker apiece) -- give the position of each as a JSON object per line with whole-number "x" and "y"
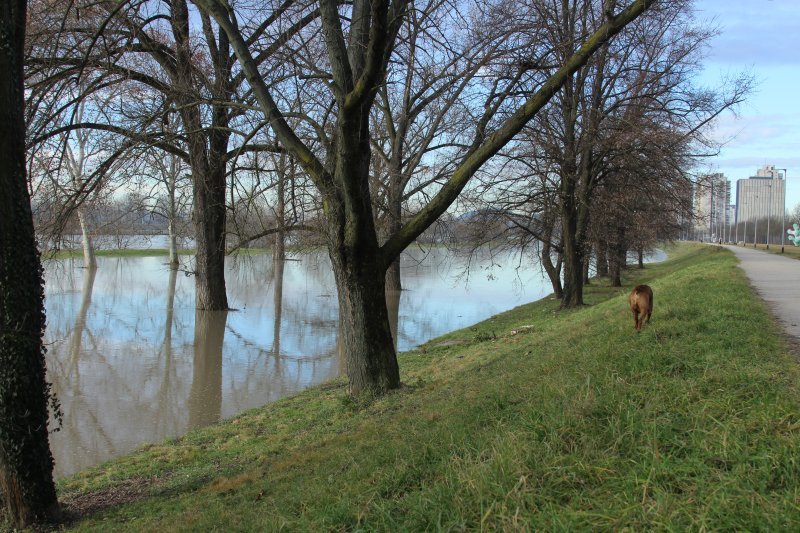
{"x": 777, "y": 280}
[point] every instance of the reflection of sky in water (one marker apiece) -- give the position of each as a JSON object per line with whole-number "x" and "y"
{"x": 127, "y": 371}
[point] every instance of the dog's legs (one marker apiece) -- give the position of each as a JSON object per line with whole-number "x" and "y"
{"x": 636, "y": 324}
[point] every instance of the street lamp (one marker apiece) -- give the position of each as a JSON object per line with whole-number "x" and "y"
{"x": 783, "y": 215}
{"x": 769, "y": 209}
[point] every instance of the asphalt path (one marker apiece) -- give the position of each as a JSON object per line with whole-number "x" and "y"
{"x": 776, "y": 278}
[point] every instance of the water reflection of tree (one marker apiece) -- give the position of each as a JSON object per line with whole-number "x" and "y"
{"x": 205, "y": 396}
{"x": 167, "y": 416}
{"x": 66, "y": 378}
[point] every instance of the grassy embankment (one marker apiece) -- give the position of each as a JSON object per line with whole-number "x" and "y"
{"x": 576, "y": 423}
{"x": 789, "y": 250}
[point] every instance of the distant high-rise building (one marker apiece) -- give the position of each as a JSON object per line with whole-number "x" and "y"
{"x": 712, "y": 196}
{"x": 761, "y": 196}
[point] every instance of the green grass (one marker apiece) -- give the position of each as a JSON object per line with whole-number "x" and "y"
{"x": 789, "y": 250}
{"x": 573, "y": 423}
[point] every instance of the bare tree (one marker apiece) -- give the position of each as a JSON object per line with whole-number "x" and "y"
{"x": 27, "y": 490}
{"x": 167, "y": 54}
{"x": 358, "y": 41}
{"x": 610, "y": 118}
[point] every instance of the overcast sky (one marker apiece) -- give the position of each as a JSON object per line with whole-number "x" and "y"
{"x": 761, "y": 37}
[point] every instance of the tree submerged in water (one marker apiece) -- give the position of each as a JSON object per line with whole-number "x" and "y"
{"x": 355, "y": 44}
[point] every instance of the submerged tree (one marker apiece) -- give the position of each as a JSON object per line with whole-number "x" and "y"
{"x": 26, "y": 465}
{"x": 357, "y": 41}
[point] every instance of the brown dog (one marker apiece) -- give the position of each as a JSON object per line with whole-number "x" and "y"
{"x": 641, "y": 302}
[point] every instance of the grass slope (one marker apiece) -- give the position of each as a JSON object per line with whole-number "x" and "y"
{"x": 575, "y": 423}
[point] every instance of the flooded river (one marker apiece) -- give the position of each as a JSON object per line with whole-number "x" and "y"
{"x": 133, "y": 362}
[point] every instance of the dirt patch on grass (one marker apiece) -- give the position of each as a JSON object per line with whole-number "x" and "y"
{"x": 85, "y": 504}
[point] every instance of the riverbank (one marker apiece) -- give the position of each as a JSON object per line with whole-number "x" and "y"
{"x": 73, "y": 253}
{"x": 535, "y": 418}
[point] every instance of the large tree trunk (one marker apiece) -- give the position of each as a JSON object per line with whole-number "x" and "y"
{"x": 205, "y": 151}
{"x": 571, "y": 235}
{"x": 26, "y": 465}
{"x": 209, "y": 226}
{"x": 572, "y": 295}
{"x": 358, "y": 268}
{"x": 364, "y": 324}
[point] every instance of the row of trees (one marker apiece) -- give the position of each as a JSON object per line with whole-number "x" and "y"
{"x": 363, "y": 122}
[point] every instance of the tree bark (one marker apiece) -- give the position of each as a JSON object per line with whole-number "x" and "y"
{"x": 358, "y": 265}
{"x": 172, "y": 214}
{"x": 571, "y": 241}
{"x": 209, "y": 227}
{"x": 364, "y": 325}
{"x": 89, "y": 259}
{"x": 174, "y": 262}
{"x": 602, "y": 259}
{"x": 205, "y": 151}
{"x": 26, "y": 464}
{"x": 553, "y": 271}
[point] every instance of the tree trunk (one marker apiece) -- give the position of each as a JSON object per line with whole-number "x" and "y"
{"x": 26, "y": 464}
{"x": 553, "y": 271}
{"x": 391, "y": 226}
{"x": 209, "y": 225}
{"x": 641, "y": 257}
{"x": 172, "y": 215}
{"x": 174, "y": 262}
{"x": 615, "y": 273}
{"x": 602, "y": 259}
{"x": 363, "y": 321}
{"x": 205, "y": 149}
{"x": 571, "y": 235}
{"x": 573, "y": 266}
{"x": 89, "y": 259}
{"x": 619, "y": 253}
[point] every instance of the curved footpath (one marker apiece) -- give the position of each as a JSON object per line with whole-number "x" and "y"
{"x": 776, "y": 278}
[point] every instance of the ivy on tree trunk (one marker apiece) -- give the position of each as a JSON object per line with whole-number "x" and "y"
{"x": 26, "y": 464}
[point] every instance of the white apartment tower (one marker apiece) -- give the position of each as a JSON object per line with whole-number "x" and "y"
{"x": 712, "y": 197}
{"x": 761, "y": 196}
